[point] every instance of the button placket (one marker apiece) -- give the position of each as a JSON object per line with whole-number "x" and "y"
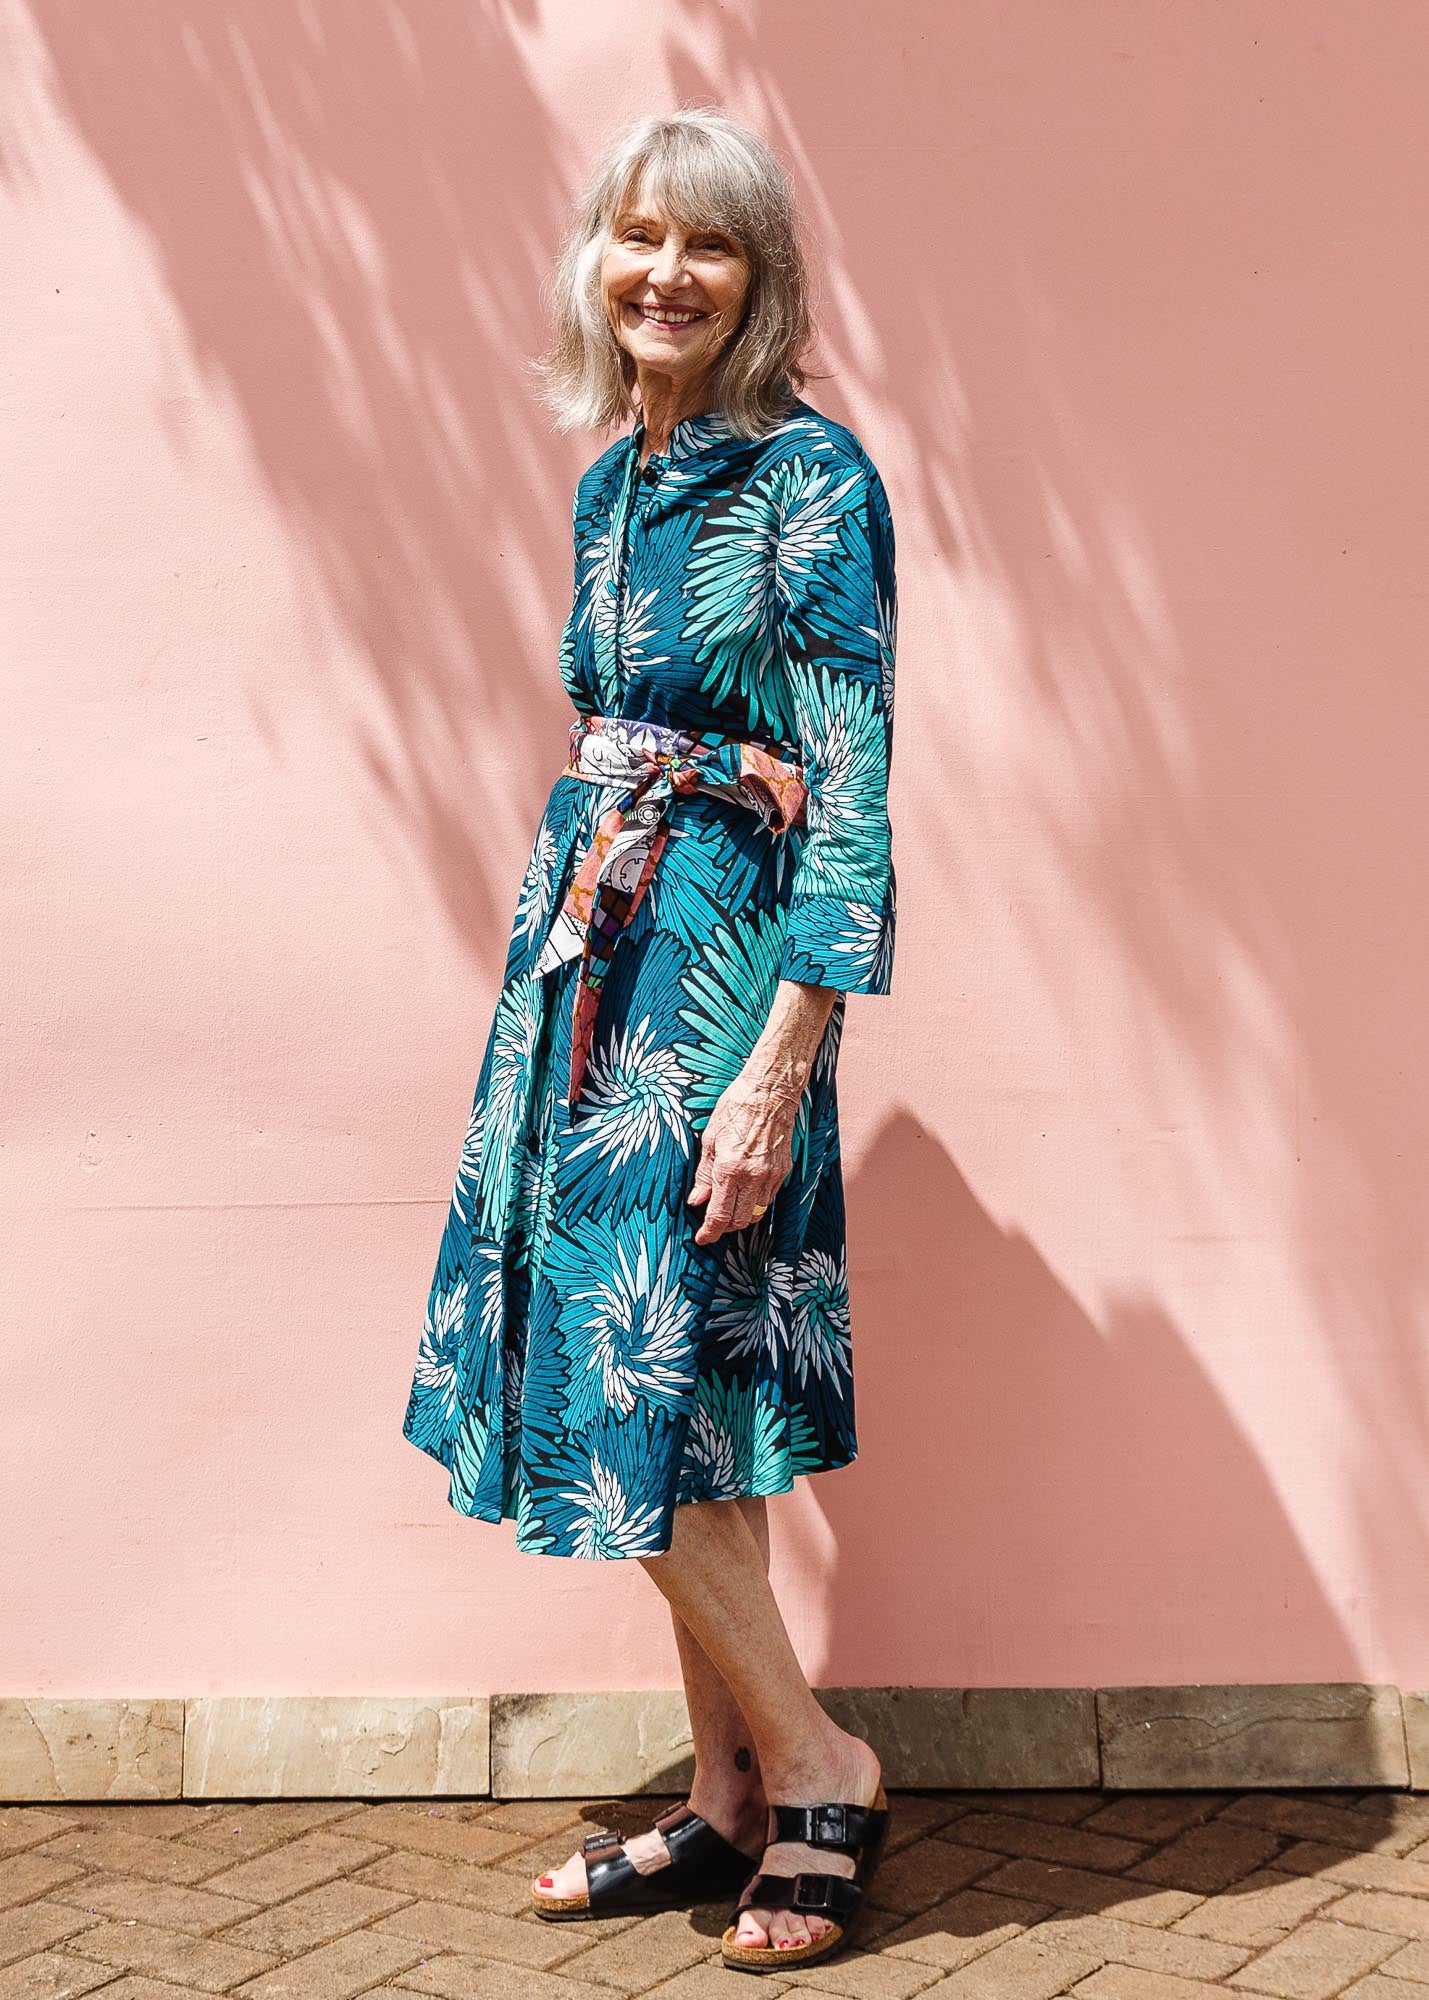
{"x": 626, "y": 508}
{"x": 637, "y": 521}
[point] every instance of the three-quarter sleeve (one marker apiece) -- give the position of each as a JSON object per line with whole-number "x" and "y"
{"x": 838, "y": 619}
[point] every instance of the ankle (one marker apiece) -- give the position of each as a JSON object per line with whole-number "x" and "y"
{"x": 834, "y": 1764}
{"x": 740, "y": 1814}
{"x": 734, "y": 1777}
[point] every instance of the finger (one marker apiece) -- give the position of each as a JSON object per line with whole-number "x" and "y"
{"x": 744, "y": 1197}
{"x": 748, "y": 1201}
{"x": 764, "y": 1191}
{"x": 719, "y": 1213}
{"x": 701, "y": 1187}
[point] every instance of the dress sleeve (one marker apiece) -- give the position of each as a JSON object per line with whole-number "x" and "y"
{"x": 838, "y": 615}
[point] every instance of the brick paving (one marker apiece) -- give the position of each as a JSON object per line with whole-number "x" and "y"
{"x": 981, "y": 1896}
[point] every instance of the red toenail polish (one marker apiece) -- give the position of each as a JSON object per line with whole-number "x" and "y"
{"x": 548, "y": 1881}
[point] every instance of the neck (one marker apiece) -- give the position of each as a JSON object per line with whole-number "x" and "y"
{"x": 664, "y": 402}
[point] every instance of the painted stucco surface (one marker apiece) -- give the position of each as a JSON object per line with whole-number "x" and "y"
{"x": 1127, "y": 305}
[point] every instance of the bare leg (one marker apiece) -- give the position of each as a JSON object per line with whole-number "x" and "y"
{"x": 728, "y": 1785}
{"x": 714, "y": 1578}
{"x": 727, "y": 1788}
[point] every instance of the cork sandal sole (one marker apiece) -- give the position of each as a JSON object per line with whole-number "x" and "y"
{"x": 772, "y": 1958}
{"x": 769, "y": 1958}
{"x": 555, "y": 1909}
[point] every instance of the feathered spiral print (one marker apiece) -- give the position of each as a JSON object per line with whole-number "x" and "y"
{"x": 586, "y": 1366}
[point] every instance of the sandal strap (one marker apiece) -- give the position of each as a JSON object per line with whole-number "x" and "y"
{"x": 691, "y": 1839}
{"x": 697, "y": 1851}
{"x": 609, "y": 1873}
{"x": 845, "y": 1827}
{"x": 821, "y": 1895}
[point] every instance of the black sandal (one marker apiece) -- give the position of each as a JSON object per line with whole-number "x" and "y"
{"x": 850, "y": 1829}
{"x": 702, "y": 1865}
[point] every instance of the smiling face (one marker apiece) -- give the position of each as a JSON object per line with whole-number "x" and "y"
{"x": 673, "y": 295}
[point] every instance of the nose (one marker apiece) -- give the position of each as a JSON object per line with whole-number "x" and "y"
{"x": 668, "y": 267}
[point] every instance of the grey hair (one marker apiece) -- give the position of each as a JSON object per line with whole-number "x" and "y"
{"x": 704, "y": 171}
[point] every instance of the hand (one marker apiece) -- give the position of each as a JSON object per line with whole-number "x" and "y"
{"x": 746, "y": 1152}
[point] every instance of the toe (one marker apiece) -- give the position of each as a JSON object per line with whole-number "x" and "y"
{"x": 567, "y": 1880}
{"x": 788, "y": 1929}
{"x": 752, "y": 1927}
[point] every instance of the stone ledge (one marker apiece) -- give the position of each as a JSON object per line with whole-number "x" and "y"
{"x": 1416, "y": 1736}
{"x": 336, "y": 1746}
{"x": 976, "y": 1739}
{"x": 619, "y": 1744}
{"x": 95, "y": 1750}
{"x": 1299, "y": 1734}
{"x": 560, "y": 1746}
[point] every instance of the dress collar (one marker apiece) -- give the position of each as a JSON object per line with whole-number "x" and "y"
{"x": 690, "y": 434}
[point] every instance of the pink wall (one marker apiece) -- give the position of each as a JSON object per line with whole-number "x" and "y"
{"x": 1127, "y": 303}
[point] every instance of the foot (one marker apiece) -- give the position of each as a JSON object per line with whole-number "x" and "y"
{"x": 853, "y": 1776}
{"x": 743, "y": 1822}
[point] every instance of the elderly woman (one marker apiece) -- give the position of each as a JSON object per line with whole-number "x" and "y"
{"x": 639, "y": 1324}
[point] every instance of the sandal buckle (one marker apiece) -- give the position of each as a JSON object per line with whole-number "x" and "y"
{"x": 830, "y": 1823}
{"x": 815, "y": 1893}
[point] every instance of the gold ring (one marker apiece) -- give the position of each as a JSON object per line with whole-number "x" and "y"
{"x": 763, "y": 1209}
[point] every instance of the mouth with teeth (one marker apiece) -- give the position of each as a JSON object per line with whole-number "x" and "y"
{"x": 667, "y": 315}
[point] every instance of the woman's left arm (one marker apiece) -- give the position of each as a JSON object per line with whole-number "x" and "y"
{"x": 838, "y": 618}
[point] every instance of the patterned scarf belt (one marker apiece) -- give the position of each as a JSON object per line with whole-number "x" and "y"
{"x": 651, "y": 766}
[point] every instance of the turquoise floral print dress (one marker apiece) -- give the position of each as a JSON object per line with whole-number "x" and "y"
{"x": 586, "y": 1366}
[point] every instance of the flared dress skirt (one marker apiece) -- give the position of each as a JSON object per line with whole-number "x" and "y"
{"x": 586, "y": 1366}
